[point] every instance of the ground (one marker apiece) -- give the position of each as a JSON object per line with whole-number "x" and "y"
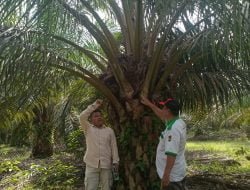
{"x": 212, "y": 165}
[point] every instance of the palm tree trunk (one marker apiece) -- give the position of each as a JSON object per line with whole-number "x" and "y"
{"x": 138, "y": 143}
{"x": 42, "y": 135}
{"x": 42, "y": 141}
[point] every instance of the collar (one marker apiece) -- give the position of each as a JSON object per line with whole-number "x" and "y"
{"x": 103, "y": 126}
{"x": 170, "y": 123}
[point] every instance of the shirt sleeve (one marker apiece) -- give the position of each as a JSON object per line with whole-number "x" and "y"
{"x": 172, "y": 142}
{"x": 84, "y": 116}
{"x": 114, "y": 149}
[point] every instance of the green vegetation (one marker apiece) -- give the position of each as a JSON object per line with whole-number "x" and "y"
{"x": 75, "y": 144}
{"x": 20, "y": 171}
{"x": 9, "y": 166}
{"x": 193, "y": 50}
{"x": 220, "y": 157}
{"x": 229, "y": 122}
{"x": 56, "y": 174}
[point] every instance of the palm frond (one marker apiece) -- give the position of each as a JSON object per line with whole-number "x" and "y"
{"x": 141, "y": 47}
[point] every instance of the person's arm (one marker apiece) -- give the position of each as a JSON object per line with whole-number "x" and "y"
{"x": 156, "y": 110}
{"x": 84, "y": 123}
{"x": 169, "y": 165}
{"x": 114, "y": 149}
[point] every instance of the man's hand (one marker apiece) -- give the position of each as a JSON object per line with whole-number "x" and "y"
{"x": 165, "y": 181}
{"x": 145, "y": 101}
{"x": 116, "y": 167}
{"x": 98, "y": 102}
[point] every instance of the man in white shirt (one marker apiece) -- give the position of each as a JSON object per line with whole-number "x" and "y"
{"x": 170, "y": 158}
{"x": 102, "y": 153}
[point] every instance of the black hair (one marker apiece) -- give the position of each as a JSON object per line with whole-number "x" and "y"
{"x": 173, "y": 106}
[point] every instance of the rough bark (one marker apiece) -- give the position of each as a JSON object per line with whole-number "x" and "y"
{"x": 137, "y": 145}
{"x": 42, "y": 142}
{"x": 42, "y": 135}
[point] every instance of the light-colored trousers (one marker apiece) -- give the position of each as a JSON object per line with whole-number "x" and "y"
{"x": 98, "y": 176}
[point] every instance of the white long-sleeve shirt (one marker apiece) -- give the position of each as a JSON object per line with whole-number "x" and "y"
{"x": 102, "y": 149}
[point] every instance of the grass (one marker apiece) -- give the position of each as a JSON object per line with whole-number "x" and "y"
{"x": 18, "y": 171}
{"x": 7, "y": 152}
{"x": 236, "y": 151}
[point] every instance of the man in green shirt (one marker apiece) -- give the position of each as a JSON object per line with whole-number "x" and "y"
{"x": 170, "y": 158}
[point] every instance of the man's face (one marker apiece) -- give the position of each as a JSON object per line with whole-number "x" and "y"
{"x": 96, "y": 119}
{"x": 167, "y": 112}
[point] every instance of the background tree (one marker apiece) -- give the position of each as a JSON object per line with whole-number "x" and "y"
{"x": 195, "y": 51}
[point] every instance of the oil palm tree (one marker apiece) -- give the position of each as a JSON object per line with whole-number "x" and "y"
{"x": 195, "y": 51}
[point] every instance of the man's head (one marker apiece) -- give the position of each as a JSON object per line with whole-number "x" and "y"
{"x": 96, "y": 118}
{"x": 171, "y": 106}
